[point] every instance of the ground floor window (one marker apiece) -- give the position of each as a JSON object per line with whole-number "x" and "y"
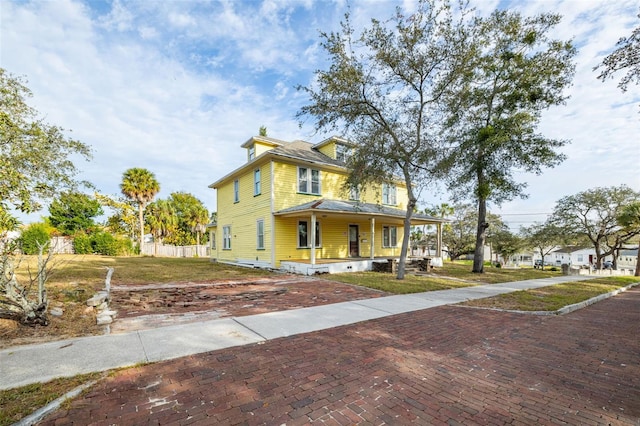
{"x": 389, "y": 236}
{"x": 260, "y": 234}
{"x": 303, "y": 234}
{"x": 226, "y": 237}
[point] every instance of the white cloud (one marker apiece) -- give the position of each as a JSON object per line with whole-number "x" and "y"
{"x": 176, "y": 87}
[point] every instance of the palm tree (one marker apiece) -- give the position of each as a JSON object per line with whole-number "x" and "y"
{"x": 140, "y": 186}
{"x": 197, "y": 220}
{"x": 161, "y": 219}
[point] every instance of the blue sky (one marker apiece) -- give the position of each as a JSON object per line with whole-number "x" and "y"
{"x": 177, "y": 86}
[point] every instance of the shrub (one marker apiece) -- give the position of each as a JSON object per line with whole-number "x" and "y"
{"x": 82, "y": 244}
{"x": 102, "y": 243}
{"x": 105, "y": 243}
{"x": 34, "y": 234}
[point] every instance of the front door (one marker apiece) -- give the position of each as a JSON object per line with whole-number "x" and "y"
{"x": 354, "y": 244}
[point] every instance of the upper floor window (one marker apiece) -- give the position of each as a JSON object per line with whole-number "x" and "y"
{"x": 226, "y": 237}
{"x": 256, "y": 182}
{"x": 252, "y": 152}
{"x": 389, "y": 194}
{"x": 236, "y": 191}
{"x": 354, "y": 193}
{"x": 308, "y": 181}
{"x": 342, "y": 152}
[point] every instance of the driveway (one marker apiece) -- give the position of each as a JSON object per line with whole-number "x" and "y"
{"x": 445, "y": 365}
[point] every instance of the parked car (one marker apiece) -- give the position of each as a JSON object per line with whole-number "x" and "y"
{"x": 537, "y": 264}
{"x": 607, "y": 264}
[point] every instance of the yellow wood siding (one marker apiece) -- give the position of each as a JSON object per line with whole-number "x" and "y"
{"x": 331, "y": 187}
{"x": 329, "y": 150}
{"x": 242, "y": 217}
{"x": 334, "y": 239}
{"x": 261, "y": 147}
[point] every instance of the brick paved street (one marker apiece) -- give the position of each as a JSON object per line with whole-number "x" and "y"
{"x": 446, "y": 365}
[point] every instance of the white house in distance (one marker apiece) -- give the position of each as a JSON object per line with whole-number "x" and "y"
{"x": 572, "y": 255}
{"x": 627, "y": 258}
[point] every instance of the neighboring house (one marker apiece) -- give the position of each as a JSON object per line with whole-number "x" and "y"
{"x": 287, "y": 208}
{"x": 574, "y": 256}
{"x": 627, "y": 259}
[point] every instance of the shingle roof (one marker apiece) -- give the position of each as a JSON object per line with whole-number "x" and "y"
{"x": 301, "y": 150}
{"x": 355, "y": 207}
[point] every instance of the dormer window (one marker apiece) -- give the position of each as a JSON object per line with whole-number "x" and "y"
{"x": 252, "y": 152}
{"x": 343, "y": 152}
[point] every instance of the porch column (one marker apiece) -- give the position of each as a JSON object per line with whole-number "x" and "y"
{"x": 313, "y": 238}
{"x": 373, "y": 236}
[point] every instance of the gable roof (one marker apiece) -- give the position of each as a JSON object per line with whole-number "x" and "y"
{"x": 297, "y": 150}
{"x": 305, "y": 151}
{"x": 356, "y": 208}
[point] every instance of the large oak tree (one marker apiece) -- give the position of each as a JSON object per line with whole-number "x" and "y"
{"x": 382, "y": 91}
{"x": 515, "y": 72}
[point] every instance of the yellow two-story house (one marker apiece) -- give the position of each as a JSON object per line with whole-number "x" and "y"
{"x": 287, "y": 208}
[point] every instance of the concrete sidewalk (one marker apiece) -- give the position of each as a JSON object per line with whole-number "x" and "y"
{"x": 39, "y": 363}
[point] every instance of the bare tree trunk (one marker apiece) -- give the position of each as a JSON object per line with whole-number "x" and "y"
{"x": 637, "y": 274}
{"x": 14, "y": 300}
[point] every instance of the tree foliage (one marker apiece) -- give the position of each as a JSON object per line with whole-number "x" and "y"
{"x": 625, "y": 57}
{"x": 594, "y": 214}
{"x": 35, "y": 157}
{"x": 74, "y": 212}
{"x": 191, "y": 218}
{"x": 629, "y": 219}
{"x": 458, "y": 235}
{"x": 504, "y": 242}
{"x": 161, "y": 220}
{"x": 514, "y": 73}
{"x": 543, "y": 238}
{"x": 123, "y": 221}
{"x": 140, "y": 187}
{"x": 35, "y": 236}
{"x": 381, "y": 92}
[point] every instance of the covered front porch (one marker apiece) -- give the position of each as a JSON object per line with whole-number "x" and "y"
{"x": 352, "y": 238}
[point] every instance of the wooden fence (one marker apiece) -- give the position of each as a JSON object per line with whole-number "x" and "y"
{"x": 164, "y": 250}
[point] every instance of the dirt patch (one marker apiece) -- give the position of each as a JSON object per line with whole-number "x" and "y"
{"x": 141, "y": 306}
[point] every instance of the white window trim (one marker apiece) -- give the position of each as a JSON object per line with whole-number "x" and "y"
{"x": 309, "y": 181}
{"x": 389, "y": 194}
{"x": 226, "y": 237}
{"x": 257, "y": 183}
{"x": 354, "y": 193}
{"x": 318, "y": 234}
{"x": 259, "y": 234}
{"x": 387, "y": 235}
{"x": 236, "y": 191}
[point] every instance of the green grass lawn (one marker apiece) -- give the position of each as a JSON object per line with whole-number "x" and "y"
{"x": 21, "y": 402}
{"x": 554, "y": 297}
{"x": 451, "y": 275}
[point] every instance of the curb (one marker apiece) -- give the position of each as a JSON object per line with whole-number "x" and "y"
{"x": 41, "y": 413}
{"x": 564, "y": 310}
{"x": 584, "y": 304}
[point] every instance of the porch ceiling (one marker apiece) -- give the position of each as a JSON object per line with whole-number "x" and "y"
{"x": 355, "y": 210}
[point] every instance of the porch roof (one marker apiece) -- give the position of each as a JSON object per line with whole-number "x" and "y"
{"x": 356, "y": 208}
